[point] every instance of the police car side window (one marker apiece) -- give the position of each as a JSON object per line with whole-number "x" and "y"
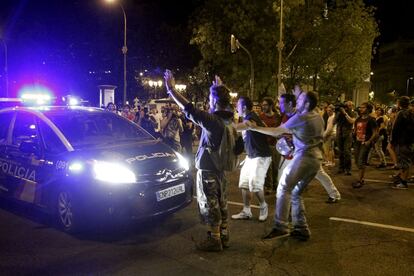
{"x": 51, "y": 141}
{"x": 25, "y": 129}
{"x": 5, "y": 119}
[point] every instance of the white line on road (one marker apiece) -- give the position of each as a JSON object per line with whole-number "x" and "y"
{"x": 378, "y": 181}
{"x": 374, "y": 224}
{"x": 239, "y": 204}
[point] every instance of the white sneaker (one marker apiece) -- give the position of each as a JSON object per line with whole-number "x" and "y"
{"x": 263, "y": 213}
{"x": 242, "y": 215}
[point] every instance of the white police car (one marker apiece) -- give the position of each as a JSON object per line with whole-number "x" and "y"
{"x": 80, "y": 163}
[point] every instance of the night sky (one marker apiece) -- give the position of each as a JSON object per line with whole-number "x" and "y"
{"x": 57, "y": 41}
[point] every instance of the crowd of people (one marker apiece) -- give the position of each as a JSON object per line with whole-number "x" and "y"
{"x": 168, "y": 123}
{"x": 288, "y": 144}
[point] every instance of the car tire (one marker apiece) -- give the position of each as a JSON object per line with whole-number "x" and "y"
{"x": 67, "y": 211}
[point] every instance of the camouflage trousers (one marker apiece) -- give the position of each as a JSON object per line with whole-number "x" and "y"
{"x": 212, "y": 197}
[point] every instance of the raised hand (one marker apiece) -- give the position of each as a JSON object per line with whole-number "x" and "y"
{"x": 169, "y": 79}
{"x": 217, "y": 81}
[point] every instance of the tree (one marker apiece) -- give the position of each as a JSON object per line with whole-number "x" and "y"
{"x": 331, "y": 53}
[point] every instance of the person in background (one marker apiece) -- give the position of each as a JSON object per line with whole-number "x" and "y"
{"x": 402, "y": 140}
{"x": 344, "y": 120}
{"x": 365, "y": 135}
{"x": 127, "y": 113}
{"x": 171, "y": 127}
{"x": 111, "y": 107}
{"x": 271, "y": 118}
{"x": 381, "y": 135}
{"x": 329, "y": 136}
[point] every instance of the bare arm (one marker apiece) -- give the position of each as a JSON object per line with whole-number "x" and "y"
{"x": 240, "y": 126}
{"x": 170, "y": 83}
{"x": 271, "y": 131}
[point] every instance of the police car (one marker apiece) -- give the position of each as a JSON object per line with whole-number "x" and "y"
{"x": 80, "y": 163}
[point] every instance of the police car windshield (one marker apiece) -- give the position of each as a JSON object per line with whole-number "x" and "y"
{"x": 86, "y": 129}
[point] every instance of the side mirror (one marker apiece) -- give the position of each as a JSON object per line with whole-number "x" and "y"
{"x": 29, "y": 147}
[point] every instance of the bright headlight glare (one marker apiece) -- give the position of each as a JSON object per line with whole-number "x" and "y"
{"x": 113, "y": 173}
{"x": 183, "y": 161}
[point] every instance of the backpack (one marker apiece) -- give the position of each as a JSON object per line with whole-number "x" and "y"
{"x": 225, "y": 158}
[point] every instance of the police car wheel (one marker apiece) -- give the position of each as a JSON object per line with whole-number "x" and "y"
{"x": 67, "y": 215}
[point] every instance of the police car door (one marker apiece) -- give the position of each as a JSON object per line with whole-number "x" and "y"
{"x": 24, "y": 155}
{"x": 5, "y": 124}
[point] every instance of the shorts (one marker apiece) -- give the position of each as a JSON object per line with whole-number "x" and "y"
{"x": 405, "y": 156}
{"x": 361, "y": 154}
{"x": 253, "y": 173}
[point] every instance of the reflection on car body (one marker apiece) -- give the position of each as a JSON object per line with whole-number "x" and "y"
{"x": 78, "y": 163}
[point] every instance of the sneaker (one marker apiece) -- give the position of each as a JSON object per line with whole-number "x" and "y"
{"x": 332, "y": 200}
{"x": 263, "y": 213}
{"x": 348, "y": 173}
{"x": 382, "y": 165}
{"x": 300, "y": 234}
{"x": 242, "y": 215}
{"x": 209, "y": 244}
{"x": 276, "y": 233}
{"x": 225, "y": 237}
{"x": 358, "y": 184}
{"x": 400, "y": 186}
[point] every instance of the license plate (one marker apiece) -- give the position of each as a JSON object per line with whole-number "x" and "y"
{"x": 170, "y": 192}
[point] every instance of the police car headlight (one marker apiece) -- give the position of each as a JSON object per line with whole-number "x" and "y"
{"x": 113, "y": 173}
{"x": 183, "y": 161}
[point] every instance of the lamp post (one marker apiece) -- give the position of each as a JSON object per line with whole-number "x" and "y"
{"x": 6, "y": 76}
{"x": 124, "y": 48}
{"x": 408, "y": 83}
{"x": 235, "y": 44}
{"x": 280, "y": 46}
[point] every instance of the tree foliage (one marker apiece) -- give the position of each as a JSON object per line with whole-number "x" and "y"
{"x": 332, "y": 53}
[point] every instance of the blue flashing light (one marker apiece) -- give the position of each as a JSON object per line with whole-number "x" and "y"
{"x": 36, "y": 95}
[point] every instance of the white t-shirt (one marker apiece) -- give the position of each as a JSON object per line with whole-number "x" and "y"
{"x": 330, "y": 127}
{"x": 307, "y": 130}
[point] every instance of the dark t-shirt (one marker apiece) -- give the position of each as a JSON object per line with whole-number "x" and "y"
{"x": 212, "y": 126}
{"x": 342, "y": 124}
{"x": 365, "y": 128}
{"x": 403, "y": 128}
{"x": 255, "y": 143}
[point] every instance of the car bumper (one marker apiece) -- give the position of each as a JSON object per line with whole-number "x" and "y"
{"x": 136, "y": 201}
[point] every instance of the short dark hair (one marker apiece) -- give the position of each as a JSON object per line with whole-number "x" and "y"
{"x": 289, "y": 98}
{"x": 404, "y": 101}
{"x": 269, "y": 101}
{"x": 369, "y": 106}
{"x": 247, "y": 102}
{"x": 380, "y": 109}
{"x": 222, "y": 94}
{"x": 312, "y": 99}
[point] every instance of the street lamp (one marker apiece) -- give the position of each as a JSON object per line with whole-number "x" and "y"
{"x": 155, "y": 84}
{"x": 408, "y": 83}
{"x": 234, "y": 45}
{"x": 124, "y": 48}
{"x": 6, "y": 77}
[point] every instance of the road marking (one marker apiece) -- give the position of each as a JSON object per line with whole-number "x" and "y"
{"x": 239, "y": 204}
{"x": 387, "y": 226}
{"x": 378, "y": 181}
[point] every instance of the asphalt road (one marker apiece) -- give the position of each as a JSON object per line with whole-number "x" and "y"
{"x": 29, "y": 245}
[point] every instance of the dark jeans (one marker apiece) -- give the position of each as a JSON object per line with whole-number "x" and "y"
{"x": 344, "y": 143}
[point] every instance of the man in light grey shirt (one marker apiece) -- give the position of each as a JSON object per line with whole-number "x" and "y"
{"x": 307, "y": 128}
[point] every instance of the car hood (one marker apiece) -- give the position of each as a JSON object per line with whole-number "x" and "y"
{"x": 144, "y": 158}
